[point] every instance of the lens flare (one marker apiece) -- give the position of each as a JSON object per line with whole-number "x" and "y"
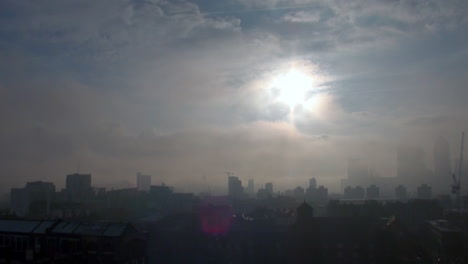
{"x": 292, "y": 87}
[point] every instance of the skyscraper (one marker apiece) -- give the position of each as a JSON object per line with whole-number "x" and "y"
{"x": 235, "y": 189}
{"x": 312, "y": 183}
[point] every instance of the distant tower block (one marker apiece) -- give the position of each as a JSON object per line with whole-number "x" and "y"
{"x": 143, "y": 182}
{"x": 269, "y": 188}
{"x": 313, "y": 183}
{"x": 400, "y": 193}
{"x": 251, "y": 187}
{"x": 235, "y": 189}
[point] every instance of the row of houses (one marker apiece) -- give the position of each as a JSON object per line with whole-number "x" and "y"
{"x": 58, "y": 241}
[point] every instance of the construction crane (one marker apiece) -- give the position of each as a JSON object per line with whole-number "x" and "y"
{"x": 229, "y": 174}
{"x": 456, "y": 186}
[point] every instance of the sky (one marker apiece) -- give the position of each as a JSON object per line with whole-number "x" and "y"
{"x": 185, "y": 91}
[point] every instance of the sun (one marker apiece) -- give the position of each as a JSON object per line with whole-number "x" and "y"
{"x": 292, "y": 87}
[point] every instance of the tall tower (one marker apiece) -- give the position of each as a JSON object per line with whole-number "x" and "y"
{"x": 313, "y": 183}
{"x": 235, "y": 189}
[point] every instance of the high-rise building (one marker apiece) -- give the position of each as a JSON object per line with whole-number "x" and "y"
{"x": 78, "y": 187}
{"x": 424, "y": 192}
{"x": 235, "y": 189}
{"x": 251, "y": 187}
{"x": 321, "y": 195}
{"x": 372, "y": 192}
{"x": 312, "y": 183}
{"x": 442, "y": 168}
{"x": 34, "y": 199}
{"x": 269, "y": 189}
{"x": 299, "y": 193}
{"x": 316, "y": 195}
{"x": 359, "y": 192}
{"x": 400, "y": 193}
{"x": 143, "y": 182}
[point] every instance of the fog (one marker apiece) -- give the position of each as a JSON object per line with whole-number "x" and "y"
{"x": 181, "y": 90}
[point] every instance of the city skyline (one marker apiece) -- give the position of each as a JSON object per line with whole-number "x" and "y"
{"x": 364, "y": 171}
{"x": 233, "y": 131}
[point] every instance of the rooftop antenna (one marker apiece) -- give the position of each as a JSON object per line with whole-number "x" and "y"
{"x": 456, "y": 186}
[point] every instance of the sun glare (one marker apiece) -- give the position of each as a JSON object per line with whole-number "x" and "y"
{"x": 292, "y": 87}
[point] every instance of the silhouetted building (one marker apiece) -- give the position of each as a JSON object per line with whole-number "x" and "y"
{"x": 304, "y": 213}
{"x": 269, "y": 189}
{"x": 372, "y": 192}
{"x": 78, "y": 187}
{"x": 312, "y": 183}
{"x": 317, "y": 195}
{"x": 359, "y": 192}
{"x": 348, "y": 192}
{"x": 182, "y": 202}
{"x": 251, "y": 187}
{"x": 235, "y": 189}
{"x": 143, "y": 182}
{"x": 262, "y": 194}
{"x": 400, "y": 193}
{"x": 128, "y": 198}
{"x": 33, "y": 200}
{"x": 70, "y": 242}
{"x": 299, "y": 193}
{"x": 354, "y": 192}
{"x": 322, "y": 195}
{"x": 424, "y": 192}
{"x": 159, "y": 196}
{"x": 447, "y": 242}
{"x": 344, "y": 240}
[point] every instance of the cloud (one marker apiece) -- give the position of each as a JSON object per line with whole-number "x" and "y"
{"x": 172, "y": 89}
{"x": 302, "y": 17}
{"x": 319, "y": 26}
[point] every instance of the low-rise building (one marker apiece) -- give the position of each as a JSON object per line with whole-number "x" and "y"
{"x": 24, "y": 241}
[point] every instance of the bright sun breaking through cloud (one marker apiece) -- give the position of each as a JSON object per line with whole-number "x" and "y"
{"x": 292, "y": 87}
